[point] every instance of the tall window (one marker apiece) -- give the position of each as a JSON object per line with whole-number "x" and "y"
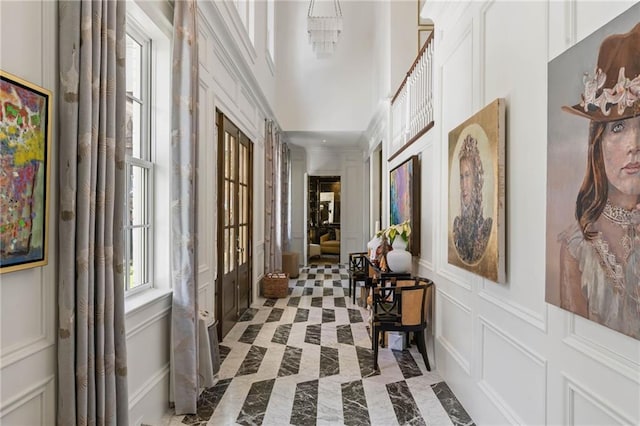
{"x": 138, "y": 225}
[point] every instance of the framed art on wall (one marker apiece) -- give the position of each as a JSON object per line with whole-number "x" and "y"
{"x": 476, "y": 239}
{"x": 25, "y": 138}
{"x": 404, "y": 199}
{"x": 593, "y": 177}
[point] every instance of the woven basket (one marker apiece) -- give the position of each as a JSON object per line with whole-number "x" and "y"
{"x": 275, "y": 285}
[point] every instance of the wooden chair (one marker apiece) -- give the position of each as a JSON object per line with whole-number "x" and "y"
{"x": 357, "y": 272}
{"x": 401, "y": 305}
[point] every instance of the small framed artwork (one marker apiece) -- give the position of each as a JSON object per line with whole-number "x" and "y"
{"x": 25, "y": 138}
{"x": 404, "y": 199}
{"x": 476, "y": 193}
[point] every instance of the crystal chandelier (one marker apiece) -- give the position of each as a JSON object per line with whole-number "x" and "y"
{"x": 324, "y": 26}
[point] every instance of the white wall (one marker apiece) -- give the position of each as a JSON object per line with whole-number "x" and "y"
{"x": 235, "y": 78}
{"x": 297, "y": 203}
{"x": 324, "y": 94}
{"x": 28, "y": 298}
{"x": 403, "y": 18}
{"x": 507, "y": 355}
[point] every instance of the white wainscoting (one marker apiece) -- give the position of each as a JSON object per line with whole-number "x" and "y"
{"x": 512, "y": 375}
{"x": 585, "y": 406}
{"x": 453, "y": 328}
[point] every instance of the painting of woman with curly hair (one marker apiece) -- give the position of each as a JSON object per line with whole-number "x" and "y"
{"x": 475, "y": 206}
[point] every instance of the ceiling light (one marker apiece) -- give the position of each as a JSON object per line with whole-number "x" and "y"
{"x": 324, "y": 25}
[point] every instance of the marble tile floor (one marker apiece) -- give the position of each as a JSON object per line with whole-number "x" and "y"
{"x": 307, "y": 360}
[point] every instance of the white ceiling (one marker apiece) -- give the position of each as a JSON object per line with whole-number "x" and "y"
{"x": 324, "y": 139}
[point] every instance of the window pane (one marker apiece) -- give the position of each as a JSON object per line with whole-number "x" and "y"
{"x": 134, "y": 67}
{"x": 227, "y": 136}
{"x": 232, "y": 199}
{"x": 232, "y": 248}
{"x": 133, "y": 129}
{"x": 226, "y": 203}
{"x": 245, "y": 202}
{"x": 138, "y": 249}
{"x": 232, "y": 158}
{"x": 226, "y": 250}
{"x": 138, "y": 196}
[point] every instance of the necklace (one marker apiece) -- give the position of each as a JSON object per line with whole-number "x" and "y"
{"x": 617, "y": 215}
{"x": 624, "y": 219}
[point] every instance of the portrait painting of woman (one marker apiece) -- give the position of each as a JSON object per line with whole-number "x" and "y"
{"x": 597, "y": 252}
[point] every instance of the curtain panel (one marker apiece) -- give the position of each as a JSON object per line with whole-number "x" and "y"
{"x": 285, "y": 173}
{"x": 184, "y": 314}
{"x": 272, "y": 198}
{"x": 92, "y": 358}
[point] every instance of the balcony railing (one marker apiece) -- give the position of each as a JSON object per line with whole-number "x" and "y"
{"x": 412, "y": 105}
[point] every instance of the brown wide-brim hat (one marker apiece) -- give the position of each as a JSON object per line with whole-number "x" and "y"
{"x": 613, "y": 92}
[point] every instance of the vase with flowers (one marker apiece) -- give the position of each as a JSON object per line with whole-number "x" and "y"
{"x": 399, "y": 259}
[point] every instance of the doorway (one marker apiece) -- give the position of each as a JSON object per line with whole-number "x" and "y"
{"x": 234, "y": 224}
{"x": 323, "y": 223}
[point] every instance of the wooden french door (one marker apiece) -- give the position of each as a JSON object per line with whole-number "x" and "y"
{"x": 235, "y": 165}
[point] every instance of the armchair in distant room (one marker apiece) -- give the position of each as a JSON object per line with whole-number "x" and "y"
{"x": 328, "y": 245}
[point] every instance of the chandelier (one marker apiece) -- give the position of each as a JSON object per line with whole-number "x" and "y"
{"x": 324, "y": 25}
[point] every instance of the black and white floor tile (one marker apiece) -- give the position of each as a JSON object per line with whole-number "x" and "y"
{"x": 307, "y": 360}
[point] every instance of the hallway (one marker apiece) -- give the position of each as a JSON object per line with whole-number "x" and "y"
{"x": 307, "y": 360}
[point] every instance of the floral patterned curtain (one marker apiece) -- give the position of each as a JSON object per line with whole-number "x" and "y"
{"x": 92, "y": 357}
{"x": 184, "y": 314}
{"x": 272, "y": 200}
{"x": 285, "y": 173}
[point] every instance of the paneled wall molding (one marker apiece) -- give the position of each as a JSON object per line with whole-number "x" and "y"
{"x": 485, "y": 384}
{"x": 269, "y": 61}
{"x": 204, "y": 267}
{"x": 45, "y": 338}
{"x": 26, "y": 349}
{"x": 37, "y": 389}
{"x": 148, "y": 321}
{"x": 626, "y": 367}
{"x": 502, "y": 406}
{"x": 573, "y": 387}
{"x": 530, "y": 353}
{"x": 446, "y": 344}
{"x": 204, "y": 52}
{"x": 424, "y": 263}
{"x": 147, "y": 386}
{"x": 447, "y": 271}
{"x": 240, "y": 31}
{"x": 203, "y": 286}
{"x": 224, "y": 41}
{"x": 536, "y": 319}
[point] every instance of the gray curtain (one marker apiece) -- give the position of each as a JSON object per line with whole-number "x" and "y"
{"x": 285, "y": 173}
{"x": 184, "y": 315}
{"x": 272, "y": 200}
{"x": 92, "y": 359}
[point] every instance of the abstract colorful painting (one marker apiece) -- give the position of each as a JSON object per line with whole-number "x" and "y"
{"x": 476, "y": 193}
{"x": 404, "y": 199}
{"x": 25, "y": 115}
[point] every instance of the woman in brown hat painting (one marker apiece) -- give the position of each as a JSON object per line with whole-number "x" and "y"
{"x": 600, "y": 254}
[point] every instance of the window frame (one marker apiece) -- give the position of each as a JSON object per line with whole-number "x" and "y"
{"x": 155, "y": 25}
